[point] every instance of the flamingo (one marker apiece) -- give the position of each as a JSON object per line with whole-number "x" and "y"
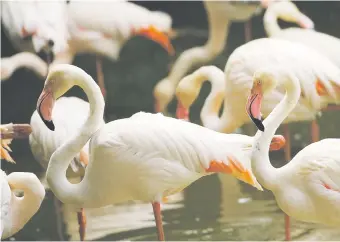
{"x": 326, "y": 44}
{"x": 319, "y": 79}
{"x": 35, "y": 26}
{"x": 111, "y": 25}
{"x": 69, "y": 113}
{"x": 22, "y": 59}
{"x": 146, "y": 157}
{"x": 308, "y": 187}
{"x": 220, "y": 14}
{"x": 17, "y": 211}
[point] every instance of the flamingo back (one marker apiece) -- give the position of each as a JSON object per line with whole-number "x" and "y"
{"x": 309, "y": 66}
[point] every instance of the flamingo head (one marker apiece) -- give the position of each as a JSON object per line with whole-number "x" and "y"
{"x": 263, "y": 82}
{"x": 59, "y": 80}
{"x": 288, "y": 12}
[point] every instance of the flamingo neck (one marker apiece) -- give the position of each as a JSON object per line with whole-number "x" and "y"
{"x": 218, "y": 34}
{"x": 265, "y": 173}
{"x": 23, "y": 208}
{"x": 61, "y": 158}
{"x": 270, "y": 23}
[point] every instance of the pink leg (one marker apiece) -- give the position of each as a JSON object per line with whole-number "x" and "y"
{"x": 247, "y": 30}
{"x": 59, "y": 219}
{"x": 158, "y": 218}
{"x": 100, "y": 76}
{"x": 315, "y": 131}
{"x": 82, "y": 224}
{"x": 288, "y": 157}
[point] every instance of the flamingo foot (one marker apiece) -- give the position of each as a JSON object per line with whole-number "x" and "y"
{"x": 158, "y": 218}
{"x": 82, "y": 224}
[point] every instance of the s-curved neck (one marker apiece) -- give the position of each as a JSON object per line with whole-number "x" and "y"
{"x": 265, "y": 173}
{"x": 218, "y": 34}
{"x": 61, "y": 158}
{"x": 270, "y": 23}
{"x": 23, "y": 208}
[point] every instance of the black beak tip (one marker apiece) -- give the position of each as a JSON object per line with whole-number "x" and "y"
{"x": 258, "y": 123}
{"x": 49, "y": 124}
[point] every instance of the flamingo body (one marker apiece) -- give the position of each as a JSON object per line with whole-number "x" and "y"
{"x": 324, "y": 43}
{"x": 70, "y": 114}
{"x": 312, "y": 68}
{"x": 31, "y": 25}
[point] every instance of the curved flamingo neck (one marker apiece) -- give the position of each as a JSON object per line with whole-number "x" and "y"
{"x": 61, "y": 158}
{"x": 270, "y": 23}
{"x": 218, "y": 34}
{"x": 23, "y": 208}
{"x": 265, "y": 173}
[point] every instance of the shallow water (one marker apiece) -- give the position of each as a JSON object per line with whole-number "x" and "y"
{"x": 216, "y": 207}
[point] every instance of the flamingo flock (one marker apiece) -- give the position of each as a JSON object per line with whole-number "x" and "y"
{"x": 289, "y": 76}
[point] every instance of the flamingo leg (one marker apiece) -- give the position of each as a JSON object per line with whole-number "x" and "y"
{"x": 82, "y": 224}
{"x": 100, "y": 76}
{"x": 288, "y": 157}
{"x": 247, "y": 30}
{"x": 315, "y": 131}
{"x": 158, "y": 218}
{"x": 59, "y": 221}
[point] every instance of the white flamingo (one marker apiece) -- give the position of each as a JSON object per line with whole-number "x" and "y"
{"x": 308, "y": 187}
{"x": 17, "y": 211}
{"x": 69, "y": 114}
{"x": 23, "y": 59}
{"x": 110, "y": 26}
{"x": 220, "y": 14}
{"x": 319, "y": 79}
{"x": 146, "y": 157}
{"x": 326, "y": 44}
{"x": 35, "y": 25}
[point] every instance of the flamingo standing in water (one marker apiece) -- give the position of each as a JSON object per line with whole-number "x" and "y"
{"x": 326, "y": 44}
{"x": 69, "y": 114}
{"x": 111, "y": 25}
{"x": 220, "y": 14}
{"x": 319, "y": 77}
{"x": 17, "y": 211}
{"x": 308, "y": 187}
{"x": 146, "y": 157}
{"x": 23, "y": 59}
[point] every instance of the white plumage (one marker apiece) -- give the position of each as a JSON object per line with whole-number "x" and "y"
{"x": 308, "y": 187}
{"x": 17, "y": 211}
{"x": 23, "y": 59}
{"x": 42, "y": 20}
{"x": 324, "y": 43}
{"x": 69, "y": 115}
{"x": 319, "y": 79}
{"x": 145, "y": 157}
{"x": 220, "y": 14}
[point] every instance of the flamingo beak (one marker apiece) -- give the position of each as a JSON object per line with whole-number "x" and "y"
{"x": 45, "y": 105}
{"x": 253, "y": 106}
{"x": 159, "y": 37}
{"x": 305, "y": 22}
{"x": 182, "y": 112}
